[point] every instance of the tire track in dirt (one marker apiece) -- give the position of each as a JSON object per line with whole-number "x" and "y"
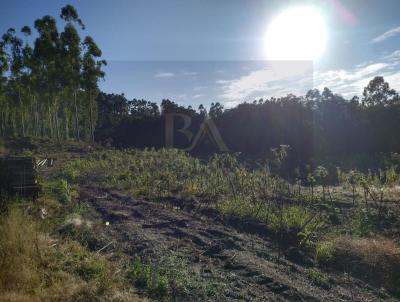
{"x": 240, "y": 258}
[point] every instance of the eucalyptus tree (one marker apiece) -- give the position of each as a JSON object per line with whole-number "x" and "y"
{"x": 378, "y": 92}
{"x": 91, "y": 73}
{"x": 15, "y": 79}
{"x": 3, "y": 83}
{"x": 50, "y": 85}
{"x": 72, "y": 61}
{"x": 27, "y": 80}
{"x": 47, "y": 56}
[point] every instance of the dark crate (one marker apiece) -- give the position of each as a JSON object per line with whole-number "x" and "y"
{"x": 18, "y": 176}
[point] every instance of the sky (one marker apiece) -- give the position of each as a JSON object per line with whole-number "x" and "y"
{"x": 201, "y": 51}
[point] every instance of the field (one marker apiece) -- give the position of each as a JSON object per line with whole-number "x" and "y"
{"x": 126, "y": 225}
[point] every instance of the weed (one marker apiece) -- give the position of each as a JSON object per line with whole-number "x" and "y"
{"x": 148, "y": 277}
{"x": 296, "y": 223}
{"x": 318, "y": 278}
{"x": 333, "y": 215}
{"x": 324, "y": 252}
{"x": 362, "y": 223}
{"x": 65, "y": 193}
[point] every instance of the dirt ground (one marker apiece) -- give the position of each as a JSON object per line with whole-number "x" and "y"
{"x": 221, "y": 259}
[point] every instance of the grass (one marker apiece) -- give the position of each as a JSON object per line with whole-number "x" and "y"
{"x": 362, "y": 223}
{"x": 234, "y": 188}
{"x": 324, "y": 252}
{"x": 149, "y": 277}
{"x": 21, "y": 253}
{"x": 300, "y": 214}
{"x": 318, "y": 278}
{"x": 37, "y": 267}
{"x": 376, "y": 260}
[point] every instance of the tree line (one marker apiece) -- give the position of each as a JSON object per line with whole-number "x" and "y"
{"x": 319, "y": 126}
{"x": 48, "y": 88}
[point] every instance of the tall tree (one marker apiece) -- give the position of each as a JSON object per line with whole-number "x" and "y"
{"x": 15, "y": 80}
{"x": 3, "y": 83}
{"x": 47, "y": 56}
{"x": 91, "y": 73}
{"x": 71, "y": 54}
{"x": 378, "y": 92}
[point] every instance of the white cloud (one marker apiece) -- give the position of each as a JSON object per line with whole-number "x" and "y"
{"x": 190, "y": 73}
{"x": 394, "y": 56}
{"x": 198, "y": 88}
{"x": 281, "y": 80}
{"x": 222, "y": 82}
{"x": 268, "y": 81}
{"x": 352, "y": 82}
{"x": 386, "y": 35}
{"x": 196, "y": 96}
{"x": 231, "y": 104}
{"x": 164, "y": 75}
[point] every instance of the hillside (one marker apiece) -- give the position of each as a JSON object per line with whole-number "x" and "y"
{"x": 161, "y": 225}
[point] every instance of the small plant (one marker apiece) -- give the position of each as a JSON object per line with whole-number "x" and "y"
{"x": 391, "y": 176}
{"x": 92, "y": 268}
{"x": 148, "y": 277}
{"x": 211, "y": 290}
{"x": 353, "y": 178}
{"x": 321, "y": 176}
{"x": 324, "y": 252}
{"x": 65, "y": 192}
{"x": 318, "y": 278}
{"x": 333, "y": 215}
{"x": 296, "y": 223}
{"x": 312, "y": 182}
{"x": 362, "y": 223}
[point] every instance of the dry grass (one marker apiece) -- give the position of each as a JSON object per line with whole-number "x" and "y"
{"x": 32, "y": 269}
{"x": 20, "y": 250}
{"x": 376, "y": 260}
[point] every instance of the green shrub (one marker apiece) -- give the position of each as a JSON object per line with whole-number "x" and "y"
{"x": 318, "y": 278}
{"x": 65, "y": 193}
{"x": 324, "y": 252}
{"x": 362, "y": 223}
{"x": 149, "y": 278}
{"x": 297, "y": 221}
{"x": 333, "y": 215}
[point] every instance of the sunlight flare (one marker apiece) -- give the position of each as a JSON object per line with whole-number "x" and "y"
{"x": 298, "y": 33}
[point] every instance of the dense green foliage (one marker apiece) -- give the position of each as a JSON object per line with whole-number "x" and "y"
{"x": 48, "y": 88}
{"x": 318, "y": 127}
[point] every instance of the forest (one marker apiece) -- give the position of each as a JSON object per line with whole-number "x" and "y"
{"x": 320, "y": 127}
{"x": 49, "y": 88}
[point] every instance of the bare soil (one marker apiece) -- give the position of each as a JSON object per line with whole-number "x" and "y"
{"x": 224, "y": 259}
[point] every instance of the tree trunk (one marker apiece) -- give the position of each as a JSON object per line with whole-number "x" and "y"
{"x": 91, "y": 117}
{"x": 22, "y": 112}
{"x": 56, "y": 119}
{"x": 76, "y": 117}
{"x": 66, "y": 125}
{"x": 51, "y": 123}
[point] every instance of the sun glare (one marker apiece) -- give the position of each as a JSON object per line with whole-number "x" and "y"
{"x": 298, "y": 33}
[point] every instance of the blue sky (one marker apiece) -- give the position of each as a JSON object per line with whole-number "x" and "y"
{"x": 194, "y": 51}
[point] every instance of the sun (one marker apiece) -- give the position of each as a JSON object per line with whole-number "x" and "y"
{"x": 298, "y": 33}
